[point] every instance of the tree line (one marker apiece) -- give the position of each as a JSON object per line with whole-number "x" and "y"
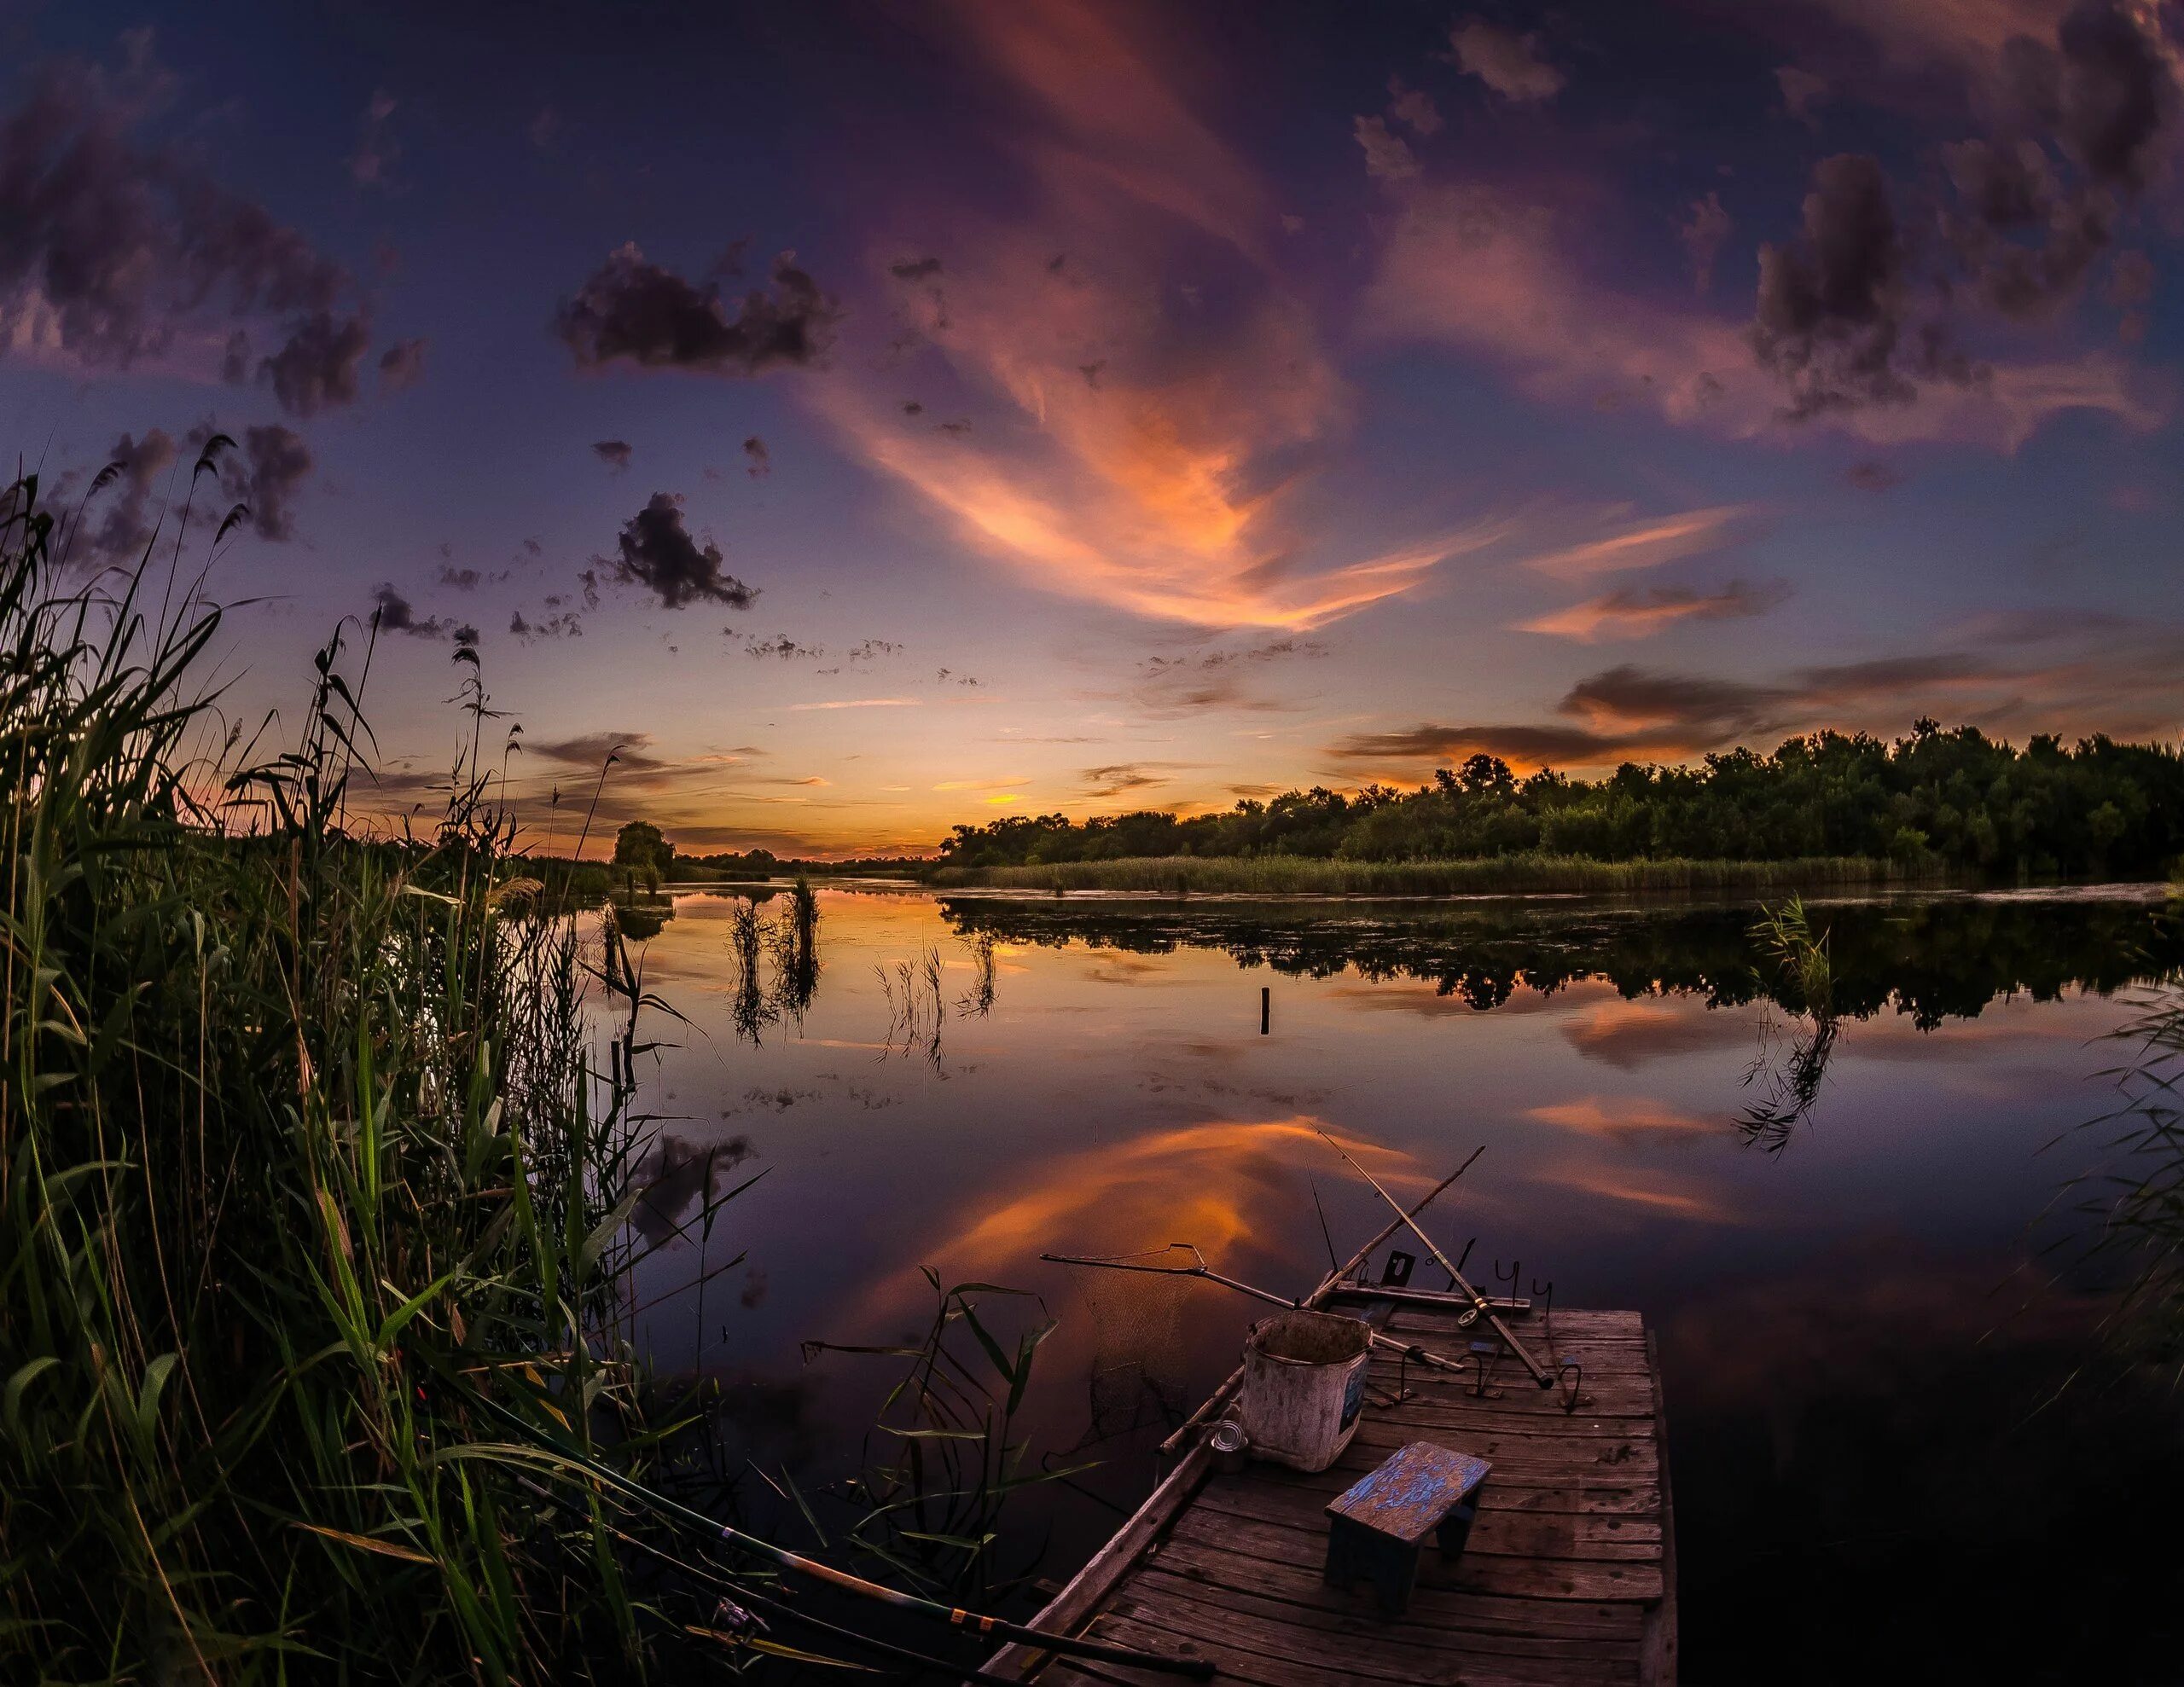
{"x": 1945, "y": 800}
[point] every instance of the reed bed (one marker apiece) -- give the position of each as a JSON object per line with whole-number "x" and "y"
{"x": 303, "y": 1153}
{"x": 1514, "y": 874}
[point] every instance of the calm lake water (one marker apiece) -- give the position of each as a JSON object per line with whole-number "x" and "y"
{"x": 1869, "y": 1454}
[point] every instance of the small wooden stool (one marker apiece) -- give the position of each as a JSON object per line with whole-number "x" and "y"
{"x": 1375, "y": 1529}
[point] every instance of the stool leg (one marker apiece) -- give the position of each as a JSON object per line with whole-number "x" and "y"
{"x": 1456, "y": 1528}
{"x": 1342, "y": 1559}
{"x": 1395, "y": 1573}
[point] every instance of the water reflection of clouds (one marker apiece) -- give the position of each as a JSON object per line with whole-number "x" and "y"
{"x": 1629, "y": 1120}
{"x": 1690, "y": 1199}
{"x": 1226, "y": 1185}
{"x": 676, "y": 1175}
{"x": 1626, "y": 1035}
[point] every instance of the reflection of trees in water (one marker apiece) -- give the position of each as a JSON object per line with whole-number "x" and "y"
{"x": 1930, "y": 960}
{"x": 790, "y": 940}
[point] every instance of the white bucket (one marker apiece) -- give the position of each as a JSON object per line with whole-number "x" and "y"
{"x": 1303, "y": 1381}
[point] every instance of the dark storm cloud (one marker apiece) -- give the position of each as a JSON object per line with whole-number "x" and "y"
{"x": 402, "y": 365}
{"x": 265, "y": 474}
{"x": 1547, "y": 745}
{"x": 276, "y": 460}
{"x": 1686, "y": 702}
{"x": 121, "y": 531}
{"x": 614, "y": 453}
{"x": 760, "y": 460}
{"x": 785, "y": 648}
{"x": 1835, "y": 301}
{"x": 462, "y": 579}
{"x": 589, "y": 750}
{"x": 563, "y": 624}
{"x": 1859, "y": 308}
{"x": 2104, "y": 89}
{"x": 656, "y": 551}
{"x": 2023, "y": 242}
{"x": 397, "y": 614}
{"x": 111, "y": 248}
{"x": 317, "y": 366}
{"x": 633, "y": 309}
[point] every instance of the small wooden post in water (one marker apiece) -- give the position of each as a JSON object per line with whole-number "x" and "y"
{"x": 1266, "y": 1007}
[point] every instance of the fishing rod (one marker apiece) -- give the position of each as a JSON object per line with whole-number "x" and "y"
{"x": 1436, "y": 1361}
{"x": 1333, "y": 1280}
{"x": 1480, "y": 1308}
{"x": 683, "y": 1516}
{"x": 709, "y": 1575}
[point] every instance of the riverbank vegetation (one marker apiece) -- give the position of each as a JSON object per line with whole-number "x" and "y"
{"x": 1934, "y": 802}
{"x": 1490, "y": 875}
{"x": 314, "y": 1251}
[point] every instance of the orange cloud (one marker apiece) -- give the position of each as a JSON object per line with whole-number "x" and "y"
{"x": 1647, "y": 544}
{"x": 1114, "y": 436}
{"x": 1638, "y": 615}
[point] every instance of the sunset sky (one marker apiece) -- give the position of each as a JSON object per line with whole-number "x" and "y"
{"x": 877, "y": 416}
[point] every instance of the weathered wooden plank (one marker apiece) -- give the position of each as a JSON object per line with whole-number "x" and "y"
{"x": 1437, "y": 1608}
{"x": 1506, "y": 1493}
{"x": 1382, "y": 1656}
{"x": 1277, "y": 1604}
{"x": 1568, "y": 1576}
{"x": 1240, "y": 1657}
{"x": 1658, "y": 1663}
{"x": 1541, "y": 1578}
{"x": 1564, "y": 1456}
{"x": 1304, "y": 1508}
{"x": 1084, "y": 1591}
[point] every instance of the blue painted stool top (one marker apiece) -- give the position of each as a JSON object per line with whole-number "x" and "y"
{"x": 1410, "y": 1494}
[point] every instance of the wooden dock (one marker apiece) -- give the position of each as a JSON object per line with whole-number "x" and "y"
{"x": 1570, "y": 1575}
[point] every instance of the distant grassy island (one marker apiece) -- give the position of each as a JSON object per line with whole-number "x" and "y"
{"x": 1830, "y": 808}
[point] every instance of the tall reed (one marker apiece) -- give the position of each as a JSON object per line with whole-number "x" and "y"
{"x": 301, "y": 1144}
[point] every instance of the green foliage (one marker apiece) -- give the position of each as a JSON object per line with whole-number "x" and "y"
{"x": 296, "y": 1130}
{"x": 2132, "y": 1199}
{"x": 1955, "y": 801}
{"x": 948, "y": 1454}
{"x": 640, "y": 848}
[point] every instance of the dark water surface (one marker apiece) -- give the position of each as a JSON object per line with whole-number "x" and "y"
{"x": 1875, "y": 1475}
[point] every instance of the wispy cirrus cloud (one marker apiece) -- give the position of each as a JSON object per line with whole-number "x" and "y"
{"x": 1647, "y": 543}
{"x": 1636, "y": 614}
{"x": 1121, "y": 438}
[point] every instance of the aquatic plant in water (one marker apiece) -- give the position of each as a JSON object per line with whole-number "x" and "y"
{"x": 1792, "y": 1084}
